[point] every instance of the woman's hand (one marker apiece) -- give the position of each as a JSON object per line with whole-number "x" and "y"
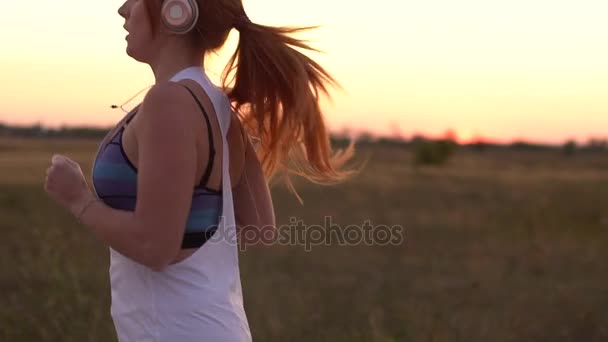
{"x": 66, "y": 184}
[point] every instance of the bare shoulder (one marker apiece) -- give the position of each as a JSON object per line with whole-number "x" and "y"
{"x": 163, "y": 102}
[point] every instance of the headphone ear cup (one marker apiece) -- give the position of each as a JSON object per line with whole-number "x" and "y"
{"x": 179, "y": 16}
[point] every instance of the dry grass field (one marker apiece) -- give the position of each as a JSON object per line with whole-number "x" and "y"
{"x": 497, "y": 245}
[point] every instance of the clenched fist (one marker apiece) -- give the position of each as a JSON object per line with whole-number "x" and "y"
{"x": 66, "y": 184}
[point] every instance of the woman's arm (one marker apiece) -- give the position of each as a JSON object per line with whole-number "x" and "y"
{"x": 152, "y": 234}
{"x": 253, "y": 203}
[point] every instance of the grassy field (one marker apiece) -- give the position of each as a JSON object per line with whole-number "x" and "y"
{"x": 498, "y": 246}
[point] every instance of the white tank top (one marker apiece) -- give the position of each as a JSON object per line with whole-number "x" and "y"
{"x": 199, "y": 298}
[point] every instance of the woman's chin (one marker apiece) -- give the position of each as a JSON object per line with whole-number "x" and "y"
{"x": 134, "y": 55}
{"x": 129, "y": 51}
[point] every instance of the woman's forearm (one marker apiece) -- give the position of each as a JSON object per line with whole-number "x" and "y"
{"x": 253, "y": 206}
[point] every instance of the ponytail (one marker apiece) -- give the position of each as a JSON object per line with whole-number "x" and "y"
{"x": 276, "y": 95}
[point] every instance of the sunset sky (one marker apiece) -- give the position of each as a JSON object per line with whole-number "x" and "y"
{"x": 518, "y": 69}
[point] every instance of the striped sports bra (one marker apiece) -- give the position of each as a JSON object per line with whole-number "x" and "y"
{"x": 115, "y": 182}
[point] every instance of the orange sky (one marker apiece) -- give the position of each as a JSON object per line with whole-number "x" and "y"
{"x": 518, "y": 69}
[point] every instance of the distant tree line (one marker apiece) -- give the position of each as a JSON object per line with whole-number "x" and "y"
{"x": 438, "y": 151}
{"x": 39, "y": 131}
{"x": 593, "y": 145}
{"x": 427, "y": 150}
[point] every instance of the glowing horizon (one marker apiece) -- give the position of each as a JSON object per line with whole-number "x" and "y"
{"x": 503, "y": 71}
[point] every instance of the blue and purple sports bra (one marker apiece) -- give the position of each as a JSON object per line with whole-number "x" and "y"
{"x": 115, "y": 182}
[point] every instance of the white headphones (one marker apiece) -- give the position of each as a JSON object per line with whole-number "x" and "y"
{"x": 179, "y": 16}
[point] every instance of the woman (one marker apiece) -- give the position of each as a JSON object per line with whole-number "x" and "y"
{"x": 178, "y": 174}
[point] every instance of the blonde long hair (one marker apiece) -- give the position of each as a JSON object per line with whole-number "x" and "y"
{"x": 276, "y": 92}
